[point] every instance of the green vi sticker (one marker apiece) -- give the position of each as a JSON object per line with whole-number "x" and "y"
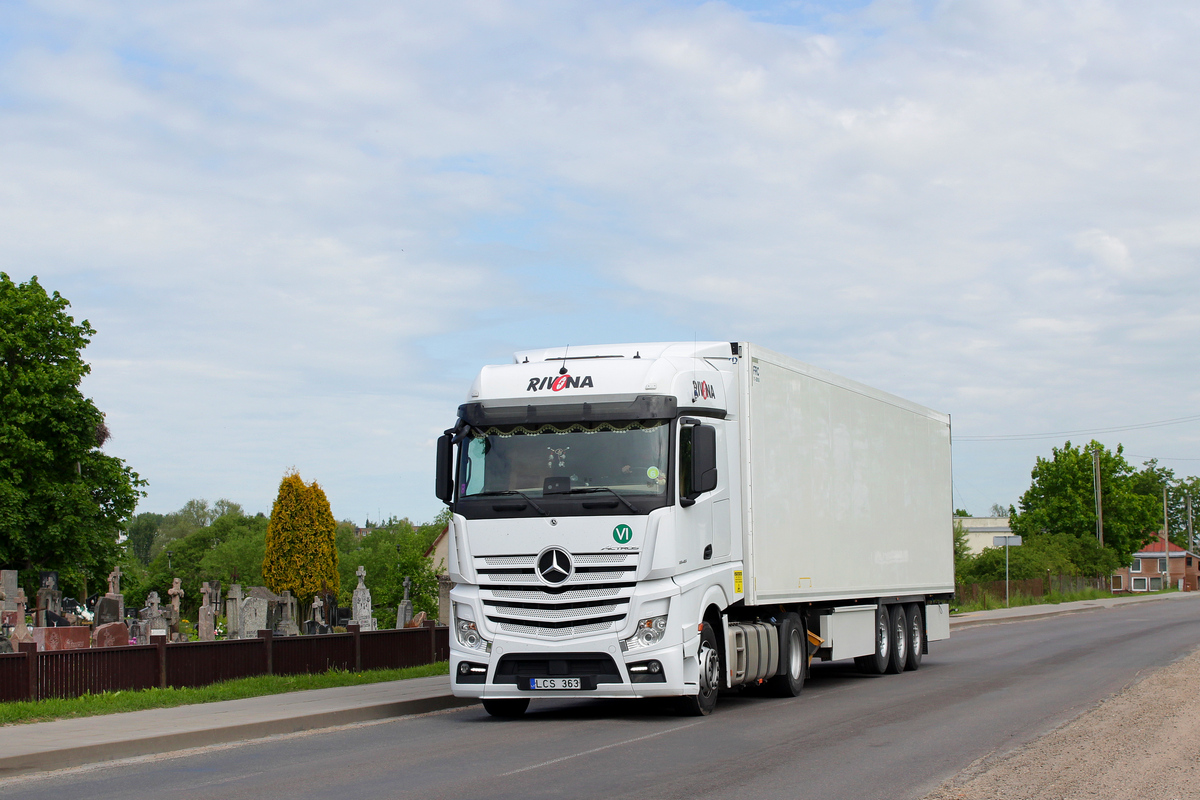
{"x": 622, "y": 534}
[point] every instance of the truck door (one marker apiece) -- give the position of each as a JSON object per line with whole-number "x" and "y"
{"x": 704, "y": 525}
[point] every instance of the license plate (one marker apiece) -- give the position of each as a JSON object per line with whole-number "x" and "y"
{"x": 555, "y": 683}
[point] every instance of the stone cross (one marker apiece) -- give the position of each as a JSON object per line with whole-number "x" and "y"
{"x": 114, "y": 580}
{"x": 21, "y": 633}
{"x": 361, "y": 572}
{"x": 316, "y": 608}
{"x": 152, "y": 601}
{"x": 175, "y": 592}
{"x": 407, "y": 585}
{"x": 205, "y": 595}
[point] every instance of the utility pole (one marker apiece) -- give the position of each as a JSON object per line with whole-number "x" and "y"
{"x": 1166, "y": 539}
{"x": 1099, "y": 504}
{"x": 1191, "y": 539}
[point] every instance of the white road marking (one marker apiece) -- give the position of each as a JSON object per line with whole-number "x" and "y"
{"x": 599, "y": 749}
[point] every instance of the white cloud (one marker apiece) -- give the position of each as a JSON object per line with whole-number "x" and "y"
{"x": 324, "y": 219}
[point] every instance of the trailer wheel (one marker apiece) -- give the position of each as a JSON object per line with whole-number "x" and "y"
{"x": 793, "y": 658}
{"x": 506, "y": 709}
{"x": 704, "y": 701}
{"x": 876, "y": 664}
{"x": 916, "y": 636}
{"x": 899, "y": 655}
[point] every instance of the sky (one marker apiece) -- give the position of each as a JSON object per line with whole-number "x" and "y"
{"x": 300, "y": 229}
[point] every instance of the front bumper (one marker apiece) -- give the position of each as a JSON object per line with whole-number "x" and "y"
{"x": 597, "y": 662}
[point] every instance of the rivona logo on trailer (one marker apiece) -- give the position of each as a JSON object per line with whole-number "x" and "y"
{"x": 556, "y": 383}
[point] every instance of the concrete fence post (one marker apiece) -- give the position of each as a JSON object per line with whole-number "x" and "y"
{"x": 268, "y": 639}
{"x": 30, "y": 651}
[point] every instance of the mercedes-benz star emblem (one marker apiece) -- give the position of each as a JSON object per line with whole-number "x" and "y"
{"x": 554, "y": 565}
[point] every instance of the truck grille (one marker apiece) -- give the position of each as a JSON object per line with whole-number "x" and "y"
{"x": 594, "y": 599}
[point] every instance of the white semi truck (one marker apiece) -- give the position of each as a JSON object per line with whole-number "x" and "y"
{"x": 650, "y": 520}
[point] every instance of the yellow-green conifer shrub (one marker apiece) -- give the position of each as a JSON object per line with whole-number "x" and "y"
{"x": 301, "y": 547}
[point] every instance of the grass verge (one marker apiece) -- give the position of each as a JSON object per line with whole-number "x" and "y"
{"x": 115, "y": 702}
{"x": 987, "y": 602}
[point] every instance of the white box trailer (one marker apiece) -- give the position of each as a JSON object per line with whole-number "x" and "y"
{"x": 672, "y": 519}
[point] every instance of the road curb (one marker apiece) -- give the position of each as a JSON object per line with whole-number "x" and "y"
{"x": 958, "y": 623}
{"x": 65, "y": 757}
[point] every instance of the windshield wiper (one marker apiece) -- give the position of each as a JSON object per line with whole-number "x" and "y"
{"x": 594, "y": 489}
{"x": 540, "y": 510}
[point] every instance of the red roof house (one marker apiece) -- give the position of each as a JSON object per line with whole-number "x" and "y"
{"x": 1156, "y": 564}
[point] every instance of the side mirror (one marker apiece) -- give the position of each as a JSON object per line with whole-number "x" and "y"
{"x": 445, "y": 471}
{"x": 698, "y": 448}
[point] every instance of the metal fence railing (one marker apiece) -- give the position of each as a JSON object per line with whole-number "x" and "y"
{"x": 32, "y": 675}
{"x": 1036, "y": 587}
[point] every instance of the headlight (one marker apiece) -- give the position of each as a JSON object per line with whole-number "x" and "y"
{"x": 467, "y": 632}
{"x": 649, "y": 633}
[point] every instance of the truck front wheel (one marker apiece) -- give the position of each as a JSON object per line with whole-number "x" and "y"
{"x": 705, "y": 700}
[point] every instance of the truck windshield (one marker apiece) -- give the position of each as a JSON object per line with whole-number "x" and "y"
{"x": 629, "y": 458}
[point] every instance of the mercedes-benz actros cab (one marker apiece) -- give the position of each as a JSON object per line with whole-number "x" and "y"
{"x": 678, "y": 519}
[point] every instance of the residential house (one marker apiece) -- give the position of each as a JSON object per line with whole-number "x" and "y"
{"x": 981, "y": 530}
{"x": 1155, "y": 563}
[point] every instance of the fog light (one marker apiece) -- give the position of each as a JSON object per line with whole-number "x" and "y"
{"x": 646, "y": 672}
{"x": 464, "y": 667}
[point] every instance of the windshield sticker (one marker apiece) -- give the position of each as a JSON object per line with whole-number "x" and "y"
{"x": 652, "y": 473}
{"x": 561, "y": 452}
{"x": 556, "y": 383}
{"x": 622, "y": 534}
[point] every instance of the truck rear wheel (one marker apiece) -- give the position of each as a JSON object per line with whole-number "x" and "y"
{"x": 877, "y": 663}
{"x": 916, "y": 636}
{"x": 899, "y": 630}
{"x": 507, "y": 709}
{"x": 793, "y": 658}
{"x": 704, "y": 701}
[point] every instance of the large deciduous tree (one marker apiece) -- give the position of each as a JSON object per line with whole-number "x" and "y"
{"x": 301, "y": 549}
{"x": 63, "y": 502}
{"x": 1061, "y": 500}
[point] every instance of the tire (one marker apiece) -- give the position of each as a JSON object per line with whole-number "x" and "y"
{"x": 704, "y": 701}
{"x": 506, "y": 709}
{"x": 877, "y": 664}
{"x": 916, "y": 636}
{"x": 899, "y": 630}
{"x": 793, "y": 658}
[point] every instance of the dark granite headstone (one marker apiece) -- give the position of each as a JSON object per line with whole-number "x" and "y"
{"x": 108, "y": 609}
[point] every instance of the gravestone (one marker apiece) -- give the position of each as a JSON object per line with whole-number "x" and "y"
{"x": 444, "y": 587}
{"x": 49, "y": 600}
{"x": 361, "y": 603}
{"x": 254, "y": 617}
{"x": 108, "y": 609}
{"x": 112, "y": 634}
{"x": 70, "y": 637}
{"x": 113, "y": 594}
{"x": 316, "y": 624}
{"x": 233, "y": 613}
{"x": 8, "y": 585}
{"x": 20, "y": 631}
{"x": 274, "y": 606}
{"x": 206, "y": 621}
{"x": 138, "y": 632}
{"x": 154, "y": 617}
{"x": 404, "y": 612}
{"x": 287, "y": 617}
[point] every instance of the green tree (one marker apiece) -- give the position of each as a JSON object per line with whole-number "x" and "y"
{"x": 1061, "y": 500}
{"x": 63, "y": 502}
{"x": 301, "y": 550}
{"x": 140, "y": 534}
{"x": 960, "y": 512}
{"x": 389, "y": 554}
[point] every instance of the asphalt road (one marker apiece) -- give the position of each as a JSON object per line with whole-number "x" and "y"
{"x": 986, "y": 690}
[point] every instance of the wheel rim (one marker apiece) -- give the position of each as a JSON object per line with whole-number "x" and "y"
{"x": 883, "y": 635}
{"x": 795, "y": 655}
{"x": 710, "y": 669}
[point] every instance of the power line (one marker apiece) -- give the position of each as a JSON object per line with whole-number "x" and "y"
{"x": 1028, "y": 437}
